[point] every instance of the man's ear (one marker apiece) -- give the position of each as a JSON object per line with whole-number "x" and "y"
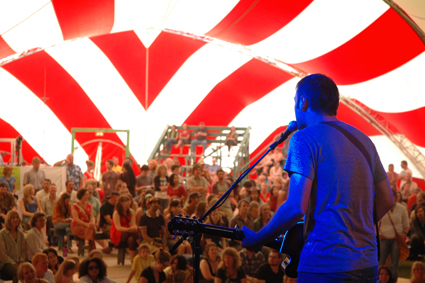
{"x": 303, "y": 103}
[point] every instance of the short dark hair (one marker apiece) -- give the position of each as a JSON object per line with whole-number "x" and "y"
{"x": 35, "y": 217}
{"x": 144, "y": 168}
{"x": 404, "y": 162}
{"x": 3, "y": 185}
{"x": 81, "y": 192}
{"x": 219, "y": 171}
{"x": 172, "y": 179}
{"x": 84, "y": 267}
{"x": 174, "y": 167}
{"x": 196, "y": 167}
{"x": 321, "y": 92}
{"x": 68, "y": 181}
{"x": 48, "y": 180}
{"x": 111, "y": 162}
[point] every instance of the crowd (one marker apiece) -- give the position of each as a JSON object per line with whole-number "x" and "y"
{"x": 133, "y": 212}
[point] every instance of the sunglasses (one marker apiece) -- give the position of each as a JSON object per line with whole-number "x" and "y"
{"x": 93, "y": 267}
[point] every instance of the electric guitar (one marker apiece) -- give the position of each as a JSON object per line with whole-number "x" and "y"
{"x": 291, "y": 243}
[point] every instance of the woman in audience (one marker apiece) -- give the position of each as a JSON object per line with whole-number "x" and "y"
{"x": 62, "y": 219}
{"x": 173, "y": 210}
{"x": 231, "y": 139}
{"x": 93, "y": 270}
{"x": 178, "y": 262}
{"x": 229, "y": 269}
{"x": 53, "y": 259}
{"x": 12, "y": 245}
{"x": 96, "y": 253}
{"x": 184, "y": 136}
{"x": 175, "y": 190}
{"x": 172, "y": 138}
{"x": 127, "y": 176}
{"x": 124, "y": 228}
{"x": 254, "y": 194}
{"x": 272, "y": 201}
{"x": 400, "y": 199}
{"x": 89, "y": 174}
{"x": 209, "y": 264}
{"x": 66, "y": 271}
{"x": 27, "y": 274}
{"x": 83, "y": 223}
{"x": 417, "y": 274}
{"x": 161, "y": 182}
{"x": 264, "y": 193}
{"x": 275, "y": 171}
{"x": 29, "y": 204}
{"x": 35, "y": 238}
{"x": 200, "y": 209}
{"x": 385, "y": 275}
{"x": 8, "y": 179}
{"x": 143, "y": 205}
{"x": 155, "y": 273}
{"x": 264, "y": 217}
{"x": 417, "y": 237}
{"x": 215, "y": 219}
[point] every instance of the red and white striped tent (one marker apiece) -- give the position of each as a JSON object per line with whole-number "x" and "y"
{"x": 140, "y": 65}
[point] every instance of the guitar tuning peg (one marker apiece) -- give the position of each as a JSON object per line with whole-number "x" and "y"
{"x": 180, "y": 215}
{"x": 237, "y": 226}
{"x": 187, "y": 216}
{"x": 174, "y": 237}
{"x": 194, "y": 217}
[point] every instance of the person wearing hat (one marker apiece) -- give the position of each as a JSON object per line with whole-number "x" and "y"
{"x": 152, "y": 226}
{"x": 106, "y": 212}
{"x": 194, "y": 199}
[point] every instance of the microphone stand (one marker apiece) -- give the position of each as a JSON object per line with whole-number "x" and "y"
{"x": 197, "y": 237}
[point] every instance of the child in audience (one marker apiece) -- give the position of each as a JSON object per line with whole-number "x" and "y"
{"x": 140, "y": 262}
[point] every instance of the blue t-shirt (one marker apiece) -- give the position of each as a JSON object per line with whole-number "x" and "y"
{"x": 9, "y": 183}
{"x": 339, "y": 227}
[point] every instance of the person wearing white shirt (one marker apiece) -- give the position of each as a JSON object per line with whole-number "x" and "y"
{"x": 41, "y": 265}
{"x": 34, "y": 241}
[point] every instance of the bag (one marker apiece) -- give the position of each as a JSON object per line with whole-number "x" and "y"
{"x": 402, "y": 246}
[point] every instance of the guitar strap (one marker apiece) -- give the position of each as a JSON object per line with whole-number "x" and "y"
{"x": 365, "y": 153}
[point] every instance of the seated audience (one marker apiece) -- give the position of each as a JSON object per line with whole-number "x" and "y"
{"x": 152, "y": 164}
{"x": 200, "y": 138}
{"x": 254, "y": 194}
{"x": 143, "y": 260}
{"x": 8, "y": 179}
{"x": 48, "y": 203}
{"x": 209, "y": 264}
{"x": 66, "y": 271}
{"x": 272, "y": 201}
{"x": 229, "y": 269}
{"x": 7, "y": 202}
{"x": 264, "y": 218}
{"x": 275, "y": 171}
{"x": 250, "y": 262}
{"x": 69, "y": 188}
{"x": 62, "y": 219}
{"x": 214, "y": 168}
{"x": 412, "y": 198}
{"x": 83, "y": 223}
{"x": 214, "y": 218}
{"x": 152, "y": 226}
{"x": 53, "y": 259}
{"x": 89, "y": 174}
{"x": 155, "y": 272}
{"x": 41, "y": 265}
{"x": 12, "y": 246}
{"x": 200, "y": 209}
{"x": 29, "y": 204}
{"x": 194, "y": 199}
{"x": 174, "y": 210}
{"x": 231, "y": 138}
{"x": 124, "y": 228}
{"x": 96, "y": 253}
{"x": 417, "y": 238}
{"x": 417, "y": 274}
{"x": 178, "y": 263}
{"x": 197, "y": 183}
{"x": 106, "y": 213}
{"x": 161, "y": 182}
{"x": 27, "y": 274}
{"x": 172, "y": 138}
{"x": 93, "y": 270}
{"x": 271, "y": 272}
{"x": 254, "y": 210}
{"x": 143, "y": 181}
{"x": 35, "y": 239}
{"x": 175, "y": 190}
{"x": 219, "y": 188}
{"x": 184, "y": 136}
{"x": 264, "y": 193}
{"x": 127, "y": 176}
{"x": 95, "y": 203}
{"x": 385, "y": 275}
{"x": 420, "y": 199}
{"x": 41, "y": 194}
{"x": 109, "y": 178}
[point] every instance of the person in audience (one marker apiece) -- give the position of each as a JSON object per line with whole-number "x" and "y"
{"x": 96, "y": 254}
{"x": 272, "y": 201}
{"x": 35, "y": 238}
{"x": 184, "y": 137}
{"x": 420, "y": 199}
{"x": 127, "y": 176}
{"x": 73, "y": 171}
{"x": 254, "y": 194}
{"x": 241, "y": 219}
{"x": 66, "y": 271}
{"x": 48, "y": 203}
{"x": 89, "y": 174}
{"x": 173, "y": 210}
{"x": 264, "y": 165}
{"x": 155, "y": 272}
{"x": 412, "y": 199}
{"x": 175, "y": 190}
{"x": 61, "y": 219}
{"x": 106, "y": 213}
{"x": 209, "y": 264}
{"x": 178, "y": 263}
{"x": 29, "y": 204}
{"x": 277, "y": 156}
{"x": 41, "y": 265}
{"x": 41, "y": 194}
{"x": 385, "y": 275}
{"x": 54, "y": 261}
{"x": 219, "y": 188}
{"x": 271, "y": 272}
{"x": 172, "y": 138}
{"x": 95, "y": 203}
{"x": 231, "y": 138}
{"x": 83, "y": 222}
{"x": 124, "y": 228}
{"x": 215, "y": 219}
{"x": 251, "y": 262}
{"x": 392, "y": 176}
{"x": 8, "y": 179}
{"x": 264, "y": 218}
{"x": 161, "y": 182}
{"x": 109, "y": 178}
{"x": 194, "y": 199}
{"x": 405, "y": 174}
{"x": 275, "y": 171}
{"x": 204, "y": 171}
{"x": 115, "y": 165}
{"x": 396, "y": 220}
{"x": 417, "y": 274}
{"x": 200, "y": 209}
{"x": 7, "y": 202}
{"x": 200, "y": 138}
{"x": 197, "y": 183}
{"x": 143, "y": 181}
{"x": 229, "y": 269}
{"x": 400, "y": 200}
{"x": 214, "y": 168}
{"x": 69, "y": 188}
{"x": 93, "y": 270}
{"x": 27, "y": 274}
{"x": 417, "y": 238}
{"x": 12, "y": 246}
{"x": 152, "y": 225}
{"x": 35, "y": 176}
{"x": 264, "y": 193}
{"x": 143, "y": 260}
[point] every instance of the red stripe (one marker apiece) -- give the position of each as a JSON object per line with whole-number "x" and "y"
{"x": 82, "y": 18}
{"x": 9, "y": 132}
{"x": 5, "y": 49}
{"x": 246, "y": 85}
{"x": 128, "y": 55}
{"x": 385, "y": 45}
{"x": 251, "y": 21}
{"x": 267, "y": 142}
{"x": 350, "y": 117}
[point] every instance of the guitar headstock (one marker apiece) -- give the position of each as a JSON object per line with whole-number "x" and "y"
{"x": 179, "y": 225}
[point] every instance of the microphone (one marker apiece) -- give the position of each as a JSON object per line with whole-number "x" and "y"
{"x": 292, "y": 127}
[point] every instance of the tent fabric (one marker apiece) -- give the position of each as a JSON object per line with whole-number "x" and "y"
{"x": 140, "y": 65}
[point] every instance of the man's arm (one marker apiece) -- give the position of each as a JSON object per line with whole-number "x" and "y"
{"x": 286, "y": 216}
{"x": 59, "y": 163}
{"x": 383, "y": 198}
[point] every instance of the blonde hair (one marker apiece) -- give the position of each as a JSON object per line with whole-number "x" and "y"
{"x": 8, "y": 220}
{"x": 233, "y": 253}
{"x": 7, "y": 168}
{"x": 415, "y": 265}
{"x": 67, "y": 265}
{"x": 37, "y": 258}
{"x": 159, "y": 168}
{"x": 20, "y": 272}
{"x": 27, "y": 193}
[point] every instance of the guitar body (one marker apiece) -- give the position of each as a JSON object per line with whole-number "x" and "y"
{"x": 291, "y": 243}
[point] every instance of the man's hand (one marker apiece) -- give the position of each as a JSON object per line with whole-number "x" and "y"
{"x": 250, "y": 241}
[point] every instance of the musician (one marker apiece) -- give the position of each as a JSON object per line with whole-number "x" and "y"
{"x": 332, "y": 186}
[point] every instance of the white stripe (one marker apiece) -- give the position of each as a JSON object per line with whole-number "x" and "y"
{"x": 28, "y": 115}
{"x": 190, "y": 85}
{"x": 102, "y": 83}
{"x": 400, "y": 90}
{"x": 321, "y": 27}
{"x": 272, "y": 111}
{"x": 40, "y": 30}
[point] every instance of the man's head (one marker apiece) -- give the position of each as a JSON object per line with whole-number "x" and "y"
{"x": 38, "y": 220}
{"x": 202, "y": 125}
{"x": 36, "y": 163}
{"x": 275, "y": 258}
{"x": 315, "y": 93}
{"x": 220, "y": 175}
{"x": 194, "y": 198}
{"x": 144, "y": 170}
{"x": 113, "y": 197}
{"x": 420, "y": 198}
{"x": 53, "y": 189}
{"x": 90, "y": 189}
{"x": 391, "y": 167}
{"x": 154, "y": 203}
{"x": 40, "y": 263}
{"x": 46, "y": 184}
{"x": 254, "y": 209}
{"x": 196, "y": 170}
{"x": 115, "y": 160}
{"x": 109, "y": 164}
{"x": 3, "y": 188}
{"x": 243, "y": 207}
{"x": 69, "y": 186}
{"x": 169, "y": 162}
{"x": 152, "y": 165}
{"x": 70, "y": 159}
{"x": 403, "y": 164}
{"x": 175, "y": 168}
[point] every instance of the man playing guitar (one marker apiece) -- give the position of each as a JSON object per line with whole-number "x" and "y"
{"x": 336, "y": 175}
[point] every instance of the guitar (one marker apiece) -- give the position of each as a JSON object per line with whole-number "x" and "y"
{"x": 291, "y": 243}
